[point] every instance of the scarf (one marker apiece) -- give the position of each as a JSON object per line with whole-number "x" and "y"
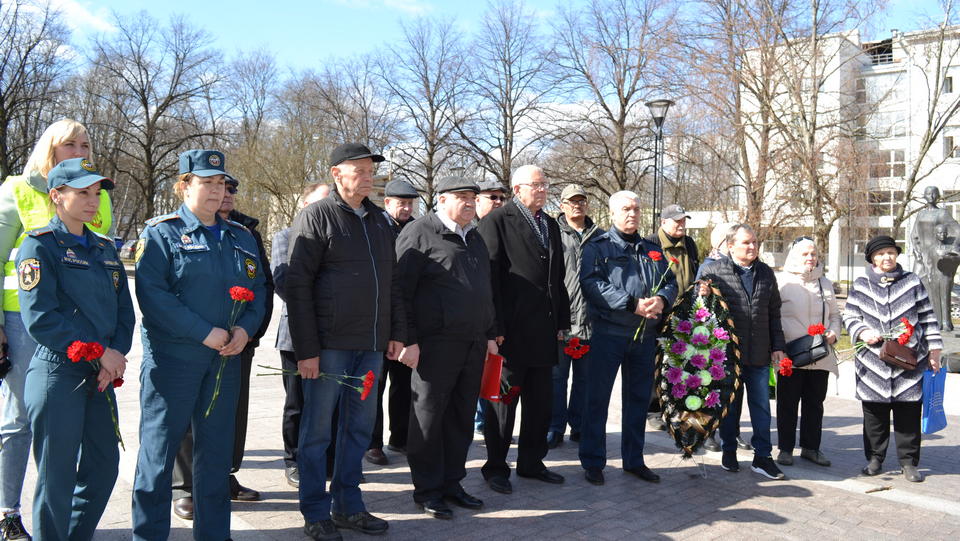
{"x": 539, "y": 227}
{"x": 883, "y": 279}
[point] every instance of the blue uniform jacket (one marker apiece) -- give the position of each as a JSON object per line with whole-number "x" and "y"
{"x": 183, "y": 280}
{"x": 615, "y": 273}
{"x": 70, "y": 292}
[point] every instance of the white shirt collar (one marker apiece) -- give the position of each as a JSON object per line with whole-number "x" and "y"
{"x": 455, "y": 227}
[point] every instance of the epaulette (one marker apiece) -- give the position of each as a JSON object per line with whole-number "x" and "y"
{"x": 163, "y": 218}
{"x": 237, "y": 224}
{"x": 40, "y": 231}
{"x": 102, "y": 236}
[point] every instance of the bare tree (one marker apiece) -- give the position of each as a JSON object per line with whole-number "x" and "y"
{"x": 499, "y": 118}
{"x": 33, "y": 68}
{"x": 424, "y": 72}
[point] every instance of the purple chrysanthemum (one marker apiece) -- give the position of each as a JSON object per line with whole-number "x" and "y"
{"x": 717, "y": 355}
{"x": 678, "y": 347}
{"x": 679, "y": 391}
{"x": 684, "y": 327}
{"x": 674, "y": 374}
{"x": 713, "y": 399}
{"x": 702, "y": 314}
{"x": 720, "y": 334}
{"x": 693, "y": 381}
{"x": 699, "y": 361}
{"x": 700, "y": 340}
{"x": 717, "y": 372}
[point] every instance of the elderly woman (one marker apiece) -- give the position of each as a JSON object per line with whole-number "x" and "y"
{"x": 808, "y": 299}
{"x": 874, "y": 311}
{"x": 187, "y": 261}
{"x": 24, "y": 206}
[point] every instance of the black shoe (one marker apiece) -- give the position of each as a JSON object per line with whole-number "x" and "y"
{"x": 711, "y": 444}
{"x": 323, "y": 530}
{"x": 183, "y": 508}
{"x": 501, "y": 485}
{"x": 911, "y": 474}
{"x": 362, "y": 522}
{"x": 815, "y": 456}
{"x": 11, "y": 527}
{"x": 743, "y": 445}
{"x": 644, "y": 473}
{"x": 575, "y": 435}
{"x": 437, "y": 508}
{"x": 872, "y": 468}
{"x": 765, "y": 466}
{"x": 729, "y": 461}
{"x": 241, "y": 493}
{"x": 594, "y": 476}
{"x": 655, "y": 422}
{"x": 546, "y": 476}
{"x": 376, "y": 456}
{"x": 554, "y": 439}
{"x": 293, "y": 476}
{"x": 397, "y": 448}
{"x": 464, "y": 500}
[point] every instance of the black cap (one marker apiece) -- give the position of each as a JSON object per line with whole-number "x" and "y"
{"x": 491, "y": 185}
{"x": 352, "y": 151}
{"x": 401, "y": 189}
{"x": 231, "y": 180}
{"x": 879, "y": 243}
{"x": 457, "y": 184}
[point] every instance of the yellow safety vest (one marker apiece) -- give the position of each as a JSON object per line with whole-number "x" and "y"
{"x": 36, "y": 210}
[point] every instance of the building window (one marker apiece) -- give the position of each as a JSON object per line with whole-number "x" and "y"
{"x": 773, "y": 243}
{"x": 884, "y": 202}
{"x": 950, "y": 149}
{"x": 860, "y": 96}
{"x": 887, "y": 163}
{"x": 947, "y": 85}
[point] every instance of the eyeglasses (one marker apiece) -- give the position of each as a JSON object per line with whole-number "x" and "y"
{"x": 496, "y": 197}
{"x": 576, "y": 202}
{"x": 539, "y": 186}
{"x": 232, "y": 189}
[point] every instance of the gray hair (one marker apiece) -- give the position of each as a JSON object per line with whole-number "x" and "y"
{"x": 623, "y": 194}
{"x": 523, "y": 173}
{"x": 736, "y": 228}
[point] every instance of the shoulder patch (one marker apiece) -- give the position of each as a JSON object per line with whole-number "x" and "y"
{"x": 29, "y": 273}
{"x": 138, "y": 253}
{"x": 158, "y": 219}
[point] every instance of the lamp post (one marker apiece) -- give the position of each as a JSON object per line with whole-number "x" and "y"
{"x": 658, "y": 110}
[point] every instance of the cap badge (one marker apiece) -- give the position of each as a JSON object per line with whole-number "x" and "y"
{"x": 214, "y": 160}
{"x": 87, "y": 165}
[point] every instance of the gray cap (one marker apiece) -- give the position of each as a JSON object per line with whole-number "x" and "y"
{"x": 401, "y": 189}
{"x": 674, "y": 212}
{"x": 457, "y": 184}
{"x": 490, "y": 185}
{"x": 571, "y": 191}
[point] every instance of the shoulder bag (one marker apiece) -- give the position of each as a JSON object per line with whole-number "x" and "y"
{"x": 810, "y": 349}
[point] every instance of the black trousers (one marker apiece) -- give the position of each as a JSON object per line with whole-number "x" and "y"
{"x": 806, "y": 389}
{"x": 183, "y": 465}
{"x": 398, "y": 403}
{"x": 444, "y": 389}
{"x": 292, "y": 406}
{"x": 906, "y": 430}
{"x": 536, "y": 393}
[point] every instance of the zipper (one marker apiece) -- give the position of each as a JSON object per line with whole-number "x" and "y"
{"x": 376, "y": 283}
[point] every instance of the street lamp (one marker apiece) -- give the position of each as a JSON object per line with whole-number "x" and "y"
{"x": 658, "y": 110}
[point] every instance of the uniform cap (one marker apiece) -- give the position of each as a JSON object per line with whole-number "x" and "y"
{"x": 76, "y": 173}
{"x": 203, "y": 163}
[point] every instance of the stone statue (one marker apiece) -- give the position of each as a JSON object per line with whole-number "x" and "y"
{"x": 936, "y": 253}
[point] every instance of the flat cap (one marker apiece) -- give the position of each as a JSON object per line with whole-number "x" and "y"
{"x": 457, "y": 184}
{"x": 490, "y": 185}
{"x": 400, "y": 189}
{"x": 352, "y": 151}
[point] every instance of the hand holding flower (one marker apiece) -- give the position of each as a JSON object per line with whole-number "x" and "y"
{"x": 238, "y": 341}
{"x": 309, "y": 368}
{"x": 870, "y": 336}
{"x": 217, "y": 339}
{"x": 410, "y": 355}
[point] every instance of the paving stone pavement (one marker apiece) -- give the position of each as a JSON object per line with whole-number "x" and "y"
{"x": 813, "y": 503}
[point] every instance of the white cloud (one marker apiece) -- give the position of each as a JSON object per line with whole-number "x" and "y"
{"x": 81, "y": 19}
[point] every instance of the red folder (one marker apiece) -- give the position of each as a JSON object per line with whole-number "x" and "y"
{"x": 490, "y": 383}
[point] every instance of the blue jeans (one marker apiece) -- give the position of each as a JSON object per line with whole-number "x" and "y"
{"x": 355, "y": 424}
{"x": 636, "y": 360}
{"x": 15, "y": 426}
{"x": 562, "y": 412}
{"x": 756, "y": 382}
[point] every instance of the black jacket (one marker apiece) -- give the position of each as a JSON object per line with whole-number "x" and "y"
{"x": 446, "y": 282}
{"x": 573, "y": 243}
{"x": 251, "y": 224}
{"x": 528, "y": 291}
{"x": 341, "y": 288}
{"x": 756, "y": 316}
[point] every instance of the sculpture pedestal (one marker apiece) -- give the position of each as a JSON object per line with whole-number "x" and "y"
{"x": 951, "y": 352}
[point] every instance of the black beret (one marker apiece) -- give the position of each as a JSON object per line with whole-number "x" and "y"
{"x": 457, "y": 184}
{"x": 879, "y": 243}
{"x": 400, "y": 189}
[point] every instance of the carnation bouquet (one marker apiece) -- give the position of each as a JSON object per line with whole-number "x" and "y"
{"x": 698, "y": 373}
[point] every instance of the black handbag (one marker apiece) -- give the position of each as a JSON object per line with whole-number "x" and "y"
{"x": 810, "y": 349}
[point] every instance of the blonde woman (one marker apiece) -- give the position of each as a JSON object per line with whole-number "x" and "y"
{"x": 24, "y": 206}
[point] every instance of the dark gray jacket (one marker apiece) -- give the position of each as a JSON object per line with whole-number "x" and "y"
{"x": 341, "y": 286}
{"x": 446, "y": 283}
{"x": 573, "y": 243}
{"x": 278, "y": 255}
{"x": 756, "y": 314}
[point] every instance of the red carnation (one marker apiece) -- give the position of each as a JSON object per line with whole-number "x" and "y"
{"x": 76, "y": 350}
{"x": 117, "y": 382}
{"x": 786, "y": 367}
{"x": 675, "y": 261}
{"x": 513, "y": 393}
{"x": 816, "y": 329}
{"x": 93, "y": 351}
{"x": 654, "y": 255}
{"x": 241, "y": 294}
{"x": 574, "y": 342}
{"x": 367, "y": 384}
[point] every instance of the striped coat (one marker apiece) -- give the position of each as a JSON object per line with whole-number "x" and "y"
{"x": 880, "y": 307}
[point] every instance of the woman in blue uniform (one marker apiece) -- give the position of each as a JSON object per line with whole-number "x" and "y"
{"x": 73, "y": 287}
{"x": 187, "y": 261}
